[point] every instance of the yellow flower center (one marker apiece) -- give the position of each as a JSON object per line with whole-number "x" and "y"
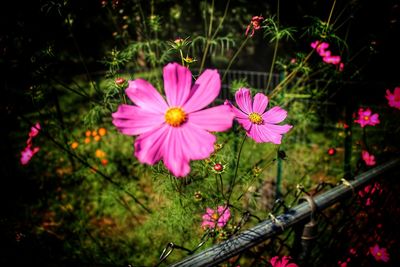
{"x": 215, "y": 216}
{"x": 255, "y": 118}
{"x": 378, "y": 254}
{"x": 366, "y": 118}
{"x": 175, "y": 116}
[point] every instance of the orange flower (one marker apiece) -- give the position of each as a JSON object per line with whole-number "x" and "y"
{"x": 100, "y": 153}
{"x": 74, "y": 145}
{"x": 102, "y": 131}
{"x": 104, "y": 162}
{"x": 88, "y": 133}
{"x": 87, "y": 140}
{"x": 97, "y": 138}
{"x": 94, "y": 133}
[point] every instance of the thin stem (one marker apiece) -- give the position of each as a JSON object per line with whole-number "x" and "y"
{"x": 232, "y": 184}
{"x": 290, "y": 76}
{"x": 234, "y": 57}
{"x": 222, "y": 185}
{"x": 273, "y": 62}
{"x": 330, "y": 16}
{"x": 275, "y": 47}
{"x": 181, "y": 53}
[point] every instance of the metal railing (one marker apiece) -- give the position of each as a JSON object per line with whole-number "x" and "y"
{"x": 295, "y": 217}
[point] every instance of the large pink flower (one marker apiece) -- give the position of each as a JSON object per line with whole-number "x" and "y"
{"x": 394, "y": 99}
{"x": 365, "y": 117}
{"x": 216, "y": 218}
{"x": 259, "y": 124}
{"x": 380, "y": 254}
{"x": 176, "y": 130}
{"x": 284, "y": 262}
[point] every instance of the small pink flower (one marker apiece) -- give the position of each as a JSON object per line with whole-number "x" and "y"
{"x": 331, "y": 59}
{"x": 284, "y": 262}
{"x": 368, "y": 191}
{"x": 34, "y": 130}
{"x": 369, "y": 159}
{"x": 365, "y": 117}
{"x": 341, "y": 66}
{"x": 177, "y": 129}
{"x": 27, "y": 154}
{"x": 216, "y": 218}
{"x": 259, "y": 124}
{"x": 380, "y": 254}
{"x": 254, "y": 25}
{"x": 394, "y": 99}
{"x": 321, "y": 47}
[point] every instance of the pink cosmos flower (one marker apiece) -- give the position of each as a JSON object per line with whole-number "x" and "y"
{"x": 394, "y": 99}
{"x": 259, "y": 124}
{"x": 380, "y": 254}
{"x": 27, "y": 154}
{"x": 254, "y": 25}
{"x": 176, "y": 130}
{"x": 365, "y": 117}
{"x": 331, "y": 59}
{"x": 321, "y": 47}
{"x": 34, "y": 130}
{"x": 327, "y": 57}
{"x": 284, "y": 262}
{"x": 369, "y": 159}
{"x": 216, "y": 218}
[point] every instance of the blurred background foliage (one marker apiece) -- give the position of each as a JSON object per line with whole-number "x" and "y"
{"x": 93, "y": 203}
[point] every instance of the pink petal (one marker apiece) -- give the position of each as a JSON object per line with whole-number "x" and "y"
{"x": 133, "y": 120}
{"x": 204, "y": 91}
{"x": 274, "y": 261}
{"x": 279, "y": 129}
{"x": 260, "y": 103}
{"x": 215, "y": 119}
{"x": 209, "y": 211}
{"x": 243, "y": 100}
{"x": 149, "y": 146}
{"x": 177, "y": 83}
{"x": 197, "y": 143}
{"x": 239, "y": 114}
{"x": 144, "y": 95}
{"x": 34, "y": 130}
{"x": 174, "y": 156}
{"x": 274, "y": 115}
{"x": 375, "y": 118}
{"x": 262, "y": 133}
{"x": 246, "y": 123}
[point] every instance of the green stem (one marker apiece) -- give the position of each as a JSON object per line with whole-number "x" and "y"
{"x": 330, "y": 16}
{"x": 273, "y": 62}
{"x": 232, "y": 184}
{"x": 181, "y": 53}
{"x": 234, "y": 57}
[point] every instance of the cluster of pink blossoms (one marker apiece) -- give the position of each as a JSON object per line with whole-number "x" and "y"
{"x": 29, "y": 151}
{"x": 368, "y": 191}
{"x": 216, "y": 218}
{"x": 394, "y": 99}
{"x": 327, "y": 57}
{"x": 178, "y": 129}
{"x": 254, "y": 25}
